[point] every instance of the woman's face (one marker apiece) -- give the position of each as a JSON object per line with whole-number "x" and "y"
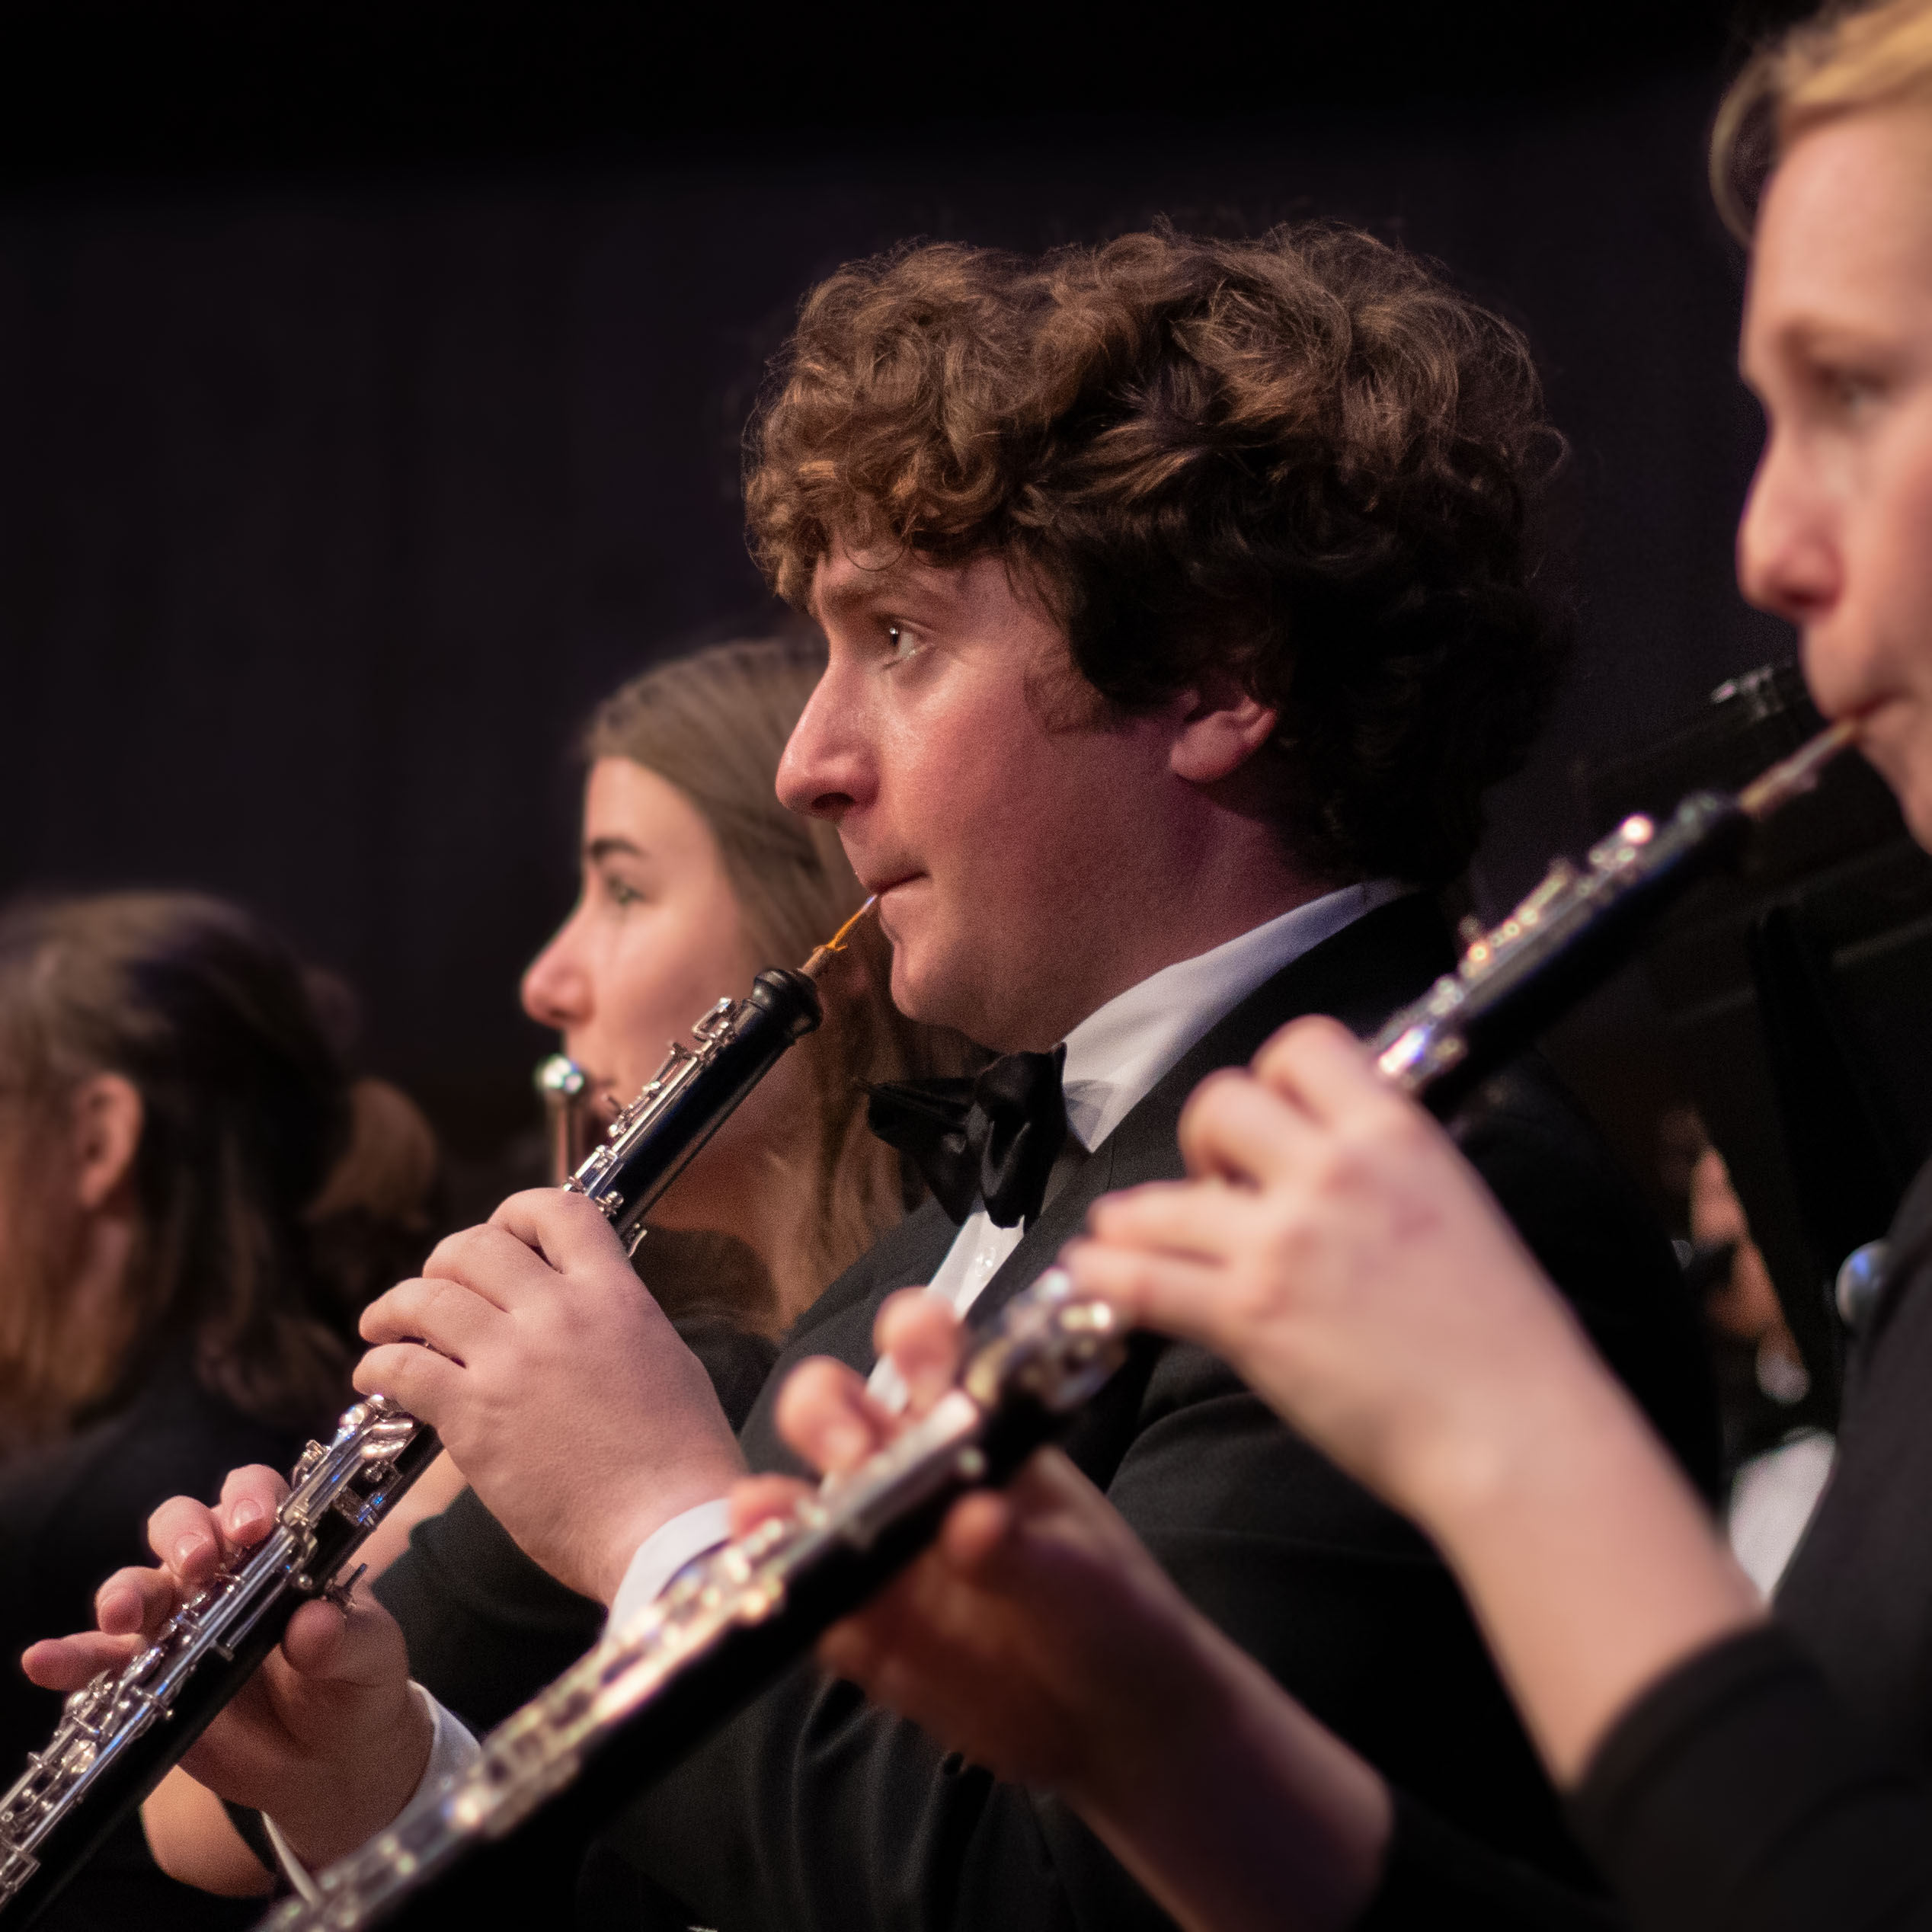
{"x": 655, "y": 939}
{"x": 1837, "y": 535}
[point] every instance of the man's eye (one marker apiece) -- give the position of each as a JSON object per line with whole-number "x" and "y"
{"x": 901, "y": 642}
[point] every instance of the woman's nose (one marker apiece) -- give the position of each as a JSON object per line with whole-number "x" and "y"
{"x": 1788, "y": 561}
{"x": 556, "y": 989}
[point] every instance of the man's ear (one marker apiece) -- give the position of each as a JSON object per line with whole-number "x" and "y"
{"x": 106, "y": 1117}
{"x": 1219, "y": 732}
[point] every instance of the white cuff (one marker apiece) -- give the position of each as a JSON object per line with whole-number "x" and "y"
{"x": 665, "y": 1552}
{"x": 452, "y": 1750}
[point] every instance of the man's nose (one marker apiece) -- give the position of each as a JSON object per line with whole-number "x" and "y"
{"x": 825, "y": 771}
{"x": 1788, "y": 557}
{"x": 556, "y": 988}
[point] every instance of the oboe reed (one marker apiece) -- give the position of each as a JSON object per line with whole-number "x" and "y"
{"x": 821, "y": 956}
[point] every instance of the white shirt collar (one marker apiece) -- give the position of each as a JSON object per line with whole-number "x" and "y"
{"x": 1115, "y": 1057}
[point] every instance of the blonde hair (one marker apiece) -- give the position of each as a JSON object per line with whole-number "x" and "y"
{"x": 1846, "y": 59}
{"x": 716, "y": 724}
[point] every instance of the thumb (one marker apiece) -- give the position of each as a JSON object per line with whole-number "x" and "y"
{"x": 361, "y": 1650}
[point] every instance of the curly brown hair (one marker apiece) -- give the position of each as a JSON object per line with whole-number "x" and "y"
{"x": 1304, "y": 461}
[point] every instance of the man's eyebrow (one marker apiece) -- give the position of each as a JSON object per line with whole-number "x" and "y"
{"x": 862, "y": 588}
{"x": 598, "y": 849}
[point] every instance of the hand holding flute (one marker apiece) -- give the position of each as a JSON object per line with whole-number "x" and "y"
{"x": 326, "y": 1734}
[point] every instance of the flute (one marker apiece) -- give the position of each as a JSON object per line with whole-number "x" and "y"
{"x": 653, "y": 1689}
{"x": 119, "y": 1735}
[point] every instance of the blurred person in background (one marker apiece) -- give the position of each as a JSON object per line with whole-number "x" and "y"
{"x": 1776, "y": 1455}
{"x": 197, "y": 1200}
{"x": 1776, "y": 1462}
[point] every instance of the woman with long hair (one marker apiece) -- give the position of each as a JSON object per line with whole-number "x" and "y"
{"x": 196, "y": 1201}
{"x": 694, "y": 878}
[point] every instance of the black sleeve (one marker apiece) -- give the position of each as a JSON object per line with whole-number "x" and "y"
{"x": 486, "y": 1628}
{"x": 1435, "y": 1877}
{"x": 1737, "y": 1792}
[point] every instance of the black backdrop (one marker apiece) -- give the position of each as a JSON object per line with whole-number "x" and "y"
{"x": 348, "y": 453}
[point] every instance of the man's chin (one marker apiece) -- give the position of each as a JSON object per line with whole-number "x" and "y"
{"x": 924, "y": 989}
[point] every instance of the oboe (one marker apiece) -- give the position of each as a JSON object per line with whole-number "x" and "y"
{"x": 119, "y": 1735}
{"x": 651, "y": 1690}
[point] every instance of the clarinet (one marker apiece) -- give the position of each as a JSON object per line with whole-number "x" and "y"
{"x": 730, "y": 1623}
{"x": 119, "y": 1734}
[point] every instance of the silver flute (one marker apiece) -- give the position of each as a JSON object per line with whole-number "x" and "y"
{"x": 655, "y": 1688}
{"x": 119, "y": 1734}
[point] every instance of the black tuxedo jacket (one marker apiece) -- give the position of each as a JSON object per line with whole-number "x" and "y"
{"x": 813, "y": 1812}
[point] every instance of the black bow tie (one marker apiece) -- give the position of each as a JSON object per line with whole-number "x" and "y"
{"x": 993, "y": 1139}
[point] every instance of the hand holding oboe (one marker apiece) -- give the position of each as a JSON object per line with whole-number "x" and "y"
{"x": 579, "y": 1418}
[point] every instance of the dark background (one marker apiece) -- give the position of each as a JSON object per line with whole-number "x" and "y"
{"x": 371, "y": 380}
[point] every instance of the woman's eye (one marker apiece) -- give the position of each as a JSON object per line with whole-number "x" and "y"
{"x": 621, "y": 894}
{"x": 1848, "y": 392}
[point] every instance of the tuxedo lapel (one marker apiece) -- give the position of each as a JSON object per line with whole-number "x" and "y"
{"x": 1361, "y": 975}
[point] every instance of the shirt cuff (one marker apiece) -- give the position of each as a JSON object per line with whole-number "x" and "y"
{"x": 452, "y": 1750}
{"x": 662, "y": 1553}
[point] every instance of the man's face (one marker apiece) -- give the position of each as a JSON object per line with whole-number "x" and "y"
{"x": 1838, "y": 344}
{"x": 1012, "y": 852}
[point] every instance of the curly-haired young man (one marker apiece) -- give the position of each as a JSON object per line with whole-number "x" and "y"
{"x": 1180, "y": 612}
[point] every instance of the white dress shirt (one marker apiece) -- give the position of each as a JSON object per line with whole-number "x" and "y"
{"x": 1114, "y": 1059}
